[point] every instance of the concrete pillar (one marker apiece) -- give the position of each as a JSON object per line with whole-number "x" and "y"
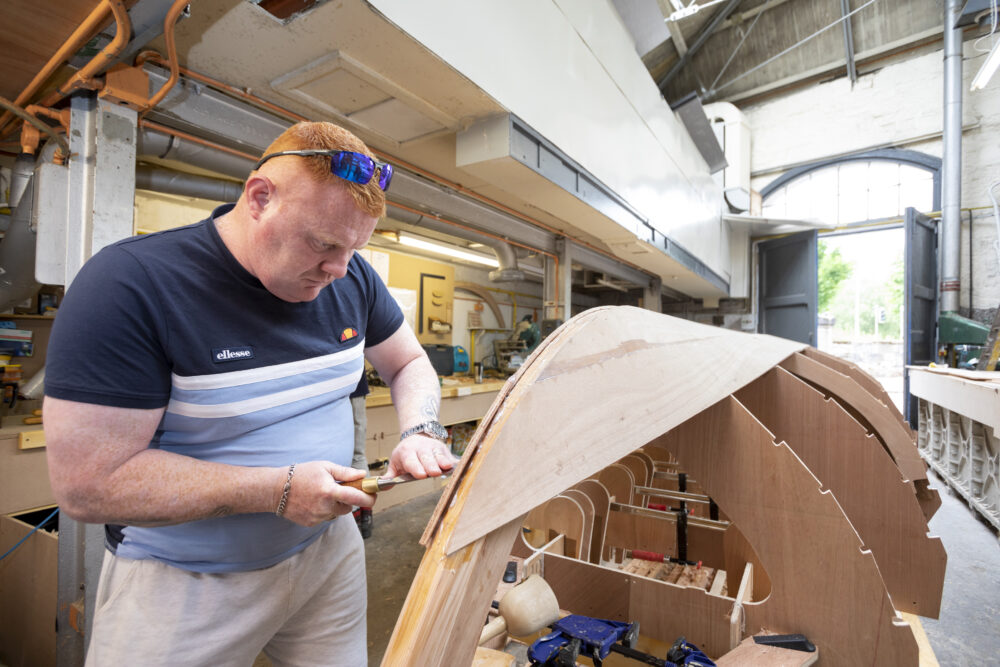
{"x": 652, "y": 297}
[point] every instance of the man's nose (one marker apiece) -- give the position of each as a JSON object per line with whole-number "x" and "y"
{"x": 336, "y": 266}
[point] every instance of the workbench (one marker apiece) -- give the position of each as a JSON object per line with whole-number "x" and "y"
{"x": 959, "y": 432}
{"x": 462, "y": 400}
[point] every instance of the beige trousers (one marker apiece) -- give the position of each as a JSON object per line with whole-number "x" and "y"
{"x": 308, "y": 610}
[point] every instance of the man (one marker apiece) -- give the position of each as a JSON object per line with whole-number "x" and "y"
{"x": 197, "y": 404}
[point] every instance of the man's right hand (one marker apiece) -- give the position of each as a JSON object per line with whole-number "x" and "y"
{"x": 316, "y": 494}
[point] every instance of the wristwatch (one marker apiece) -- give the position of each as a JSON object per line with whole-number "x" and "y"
{"x": 431, "y": 428}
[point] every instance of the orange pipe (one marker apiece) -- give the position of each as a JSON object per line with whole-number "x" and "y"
{"x": 84, "y": 76}
{"x": 555, "y": 258}
{"x": 79, "y": 37}
{"x": 168, "y": 35}
{"x": 225, "y": 87}
{"x": 198, "y": 140}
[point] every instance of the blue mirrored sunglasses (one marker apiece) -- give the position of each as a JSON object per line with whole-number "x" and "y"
{"x": 348, "y": 165}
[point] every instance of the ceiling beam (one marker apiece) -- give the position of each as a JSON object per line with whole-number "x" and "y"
{"x": 699, "y": 41}
{"x": 676, "y": 36}
{"x": 734, "y": 21}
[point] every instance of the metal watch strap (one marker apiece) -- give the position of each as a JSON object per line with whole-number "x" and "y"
{"x": 431, "y": 428}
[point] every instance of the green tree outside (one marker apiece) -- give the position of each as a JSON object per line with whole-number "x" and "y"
{"x": 833, "y": 270}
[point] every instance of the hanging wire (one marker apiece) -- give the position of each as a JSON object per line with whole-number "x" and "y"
{"x": 794, "y": 46}
{"x": 711, "y": 88}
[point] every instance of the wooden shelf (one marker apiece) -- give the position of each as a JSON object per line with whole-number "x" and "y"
{"x": 17, "y": 316}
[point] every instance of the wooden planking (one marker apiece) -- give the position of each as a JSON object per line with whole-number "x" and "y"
{"x": 486, "y": 657}
{"x": 624, "y": 351}
{"x": 664, "y": 611}
{"x": 651, "y": 530}
{"x": 854, "y": 466}
{"x": 564, "y": 516}
{"x": 738, "y": 554}
{"x": 28, "y": 579}
{"x": 975, "y": 399}
{"x": 927, "y": 657}
{"x": 587, "y": 507}
{"x": 752, "y": 654}
{"x": 822, "y": 584}
{"x": 641, "y": 474}
{"x": 448, "y": 591}
{"x": 601, "y": 501}
{"x": 619, "y": 481}
{"x": 24, "y": 474}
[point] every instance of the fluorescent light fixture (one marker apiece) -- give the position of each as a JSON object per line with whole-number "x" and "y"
{"x": 450, "y": 251}
{"x": 989, "y": 67}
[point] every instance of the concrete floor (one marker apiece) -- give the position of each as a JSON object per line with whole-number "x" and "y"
{"x": 968, "y": 632}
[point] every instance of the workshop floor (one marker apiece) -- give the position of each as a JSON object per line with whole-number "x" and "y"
{"x": 968, "y": 632}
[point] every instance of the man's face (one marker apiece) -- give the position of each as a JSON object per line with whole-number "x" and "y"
{"x": 305, "y": 238}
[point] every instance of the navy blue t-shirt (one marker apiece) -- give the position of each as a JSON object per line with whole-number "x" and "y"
{"x": 173, "y": 320}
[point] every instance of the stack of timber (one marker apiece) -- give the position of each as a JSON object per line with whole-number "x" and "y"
{"x": 819, "y": 497}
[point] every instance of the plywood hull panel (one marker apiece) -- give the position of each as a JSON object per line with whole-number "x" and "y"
{"x": 601, "y": 387}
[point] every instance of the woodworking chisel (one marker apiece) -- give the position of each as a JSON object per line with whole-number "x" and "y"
{"x": 375, "y": 484}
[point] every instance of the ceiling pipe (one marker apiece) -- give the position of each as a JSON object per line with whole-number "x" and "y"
{"x": 505, "y": 254}
{"x": 165, "y": 146}
{"x": 171, "y": 182}
{"x": 951, "y": 163}
{"x": 17, "y": 252}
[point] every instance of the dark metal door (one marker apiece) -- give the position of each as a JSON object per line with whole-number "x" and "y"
{"x": 920, "y": 300}
{"x": 789, "y": 287}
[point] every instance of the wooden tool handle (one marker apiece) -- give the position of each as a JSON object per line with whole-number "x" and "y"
{"x": 366, "y": 484}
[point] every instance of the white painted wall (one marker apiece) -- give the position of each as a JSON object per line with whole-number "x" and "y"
{"x": 900, "y": 104}
{"x": 569, "y": 69}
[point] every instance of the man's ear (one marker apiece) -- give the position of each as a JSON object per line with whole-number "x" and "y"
{"x": 259, "y": 191}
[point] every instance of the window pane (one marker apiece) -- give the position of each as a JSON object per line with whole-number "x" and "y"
{"x": 852, "y": 206}
{"x": 853, "y": 191}
{"x": 883, "y": 201}
{"x": 797, "y": 199}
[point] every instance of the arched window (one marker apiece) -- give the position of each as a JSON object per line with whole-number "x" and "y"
{"x": 867, "y": 186}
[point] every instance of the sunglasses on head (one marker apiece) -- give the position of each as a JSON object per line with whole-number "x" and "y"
{"x": 348, "y": 165}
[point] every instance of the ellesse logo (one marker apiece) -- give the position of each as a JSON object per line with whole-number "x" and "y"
{"x": 224, "y": 354}
{"x": 348, "y": 334}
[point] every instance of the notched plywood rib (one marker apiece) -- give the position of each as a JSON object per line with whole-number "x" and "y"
{"x": 823, "y": 584}
{"x": 627, "y": 376}
{"x": 898, "y": 442}
{"x": 857, "y": 469}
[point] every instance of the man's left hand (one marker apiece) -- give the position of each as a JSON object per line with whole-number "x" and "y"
{"x": 421, "y": 456}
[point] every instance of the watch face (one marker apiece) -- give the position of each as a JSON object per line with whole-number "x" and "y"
{"x": 438, "y": 431}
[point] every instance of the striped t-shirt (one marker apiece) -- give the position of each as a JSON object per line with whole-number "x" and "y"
{"x": 172, "y": 319}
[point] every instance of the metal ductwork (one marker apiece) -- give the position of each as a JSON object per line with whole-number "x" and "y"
{"x": 951, "y": 165}
{"x": 167, "y": 147}
{"x": 172, "y": 182}
{"x": 17, "y": 252}
{"x": 505, "y": 254}
{"x": 507, "y": 258}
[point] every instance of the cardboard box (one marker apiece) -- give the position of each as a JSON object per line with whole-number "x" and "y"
{"x": 29, "y": 575}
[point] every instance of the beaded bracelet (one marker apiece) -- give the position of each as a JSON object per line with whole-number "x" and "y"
{"x": 284, "y": 492}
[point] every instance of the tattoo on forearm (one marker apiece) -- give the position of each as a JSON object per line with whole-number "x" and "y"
{"x": 430, "y": 408}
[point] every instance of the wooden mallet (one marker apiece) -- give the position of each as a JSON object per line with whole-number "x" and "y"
{"x": 524, "y": 610}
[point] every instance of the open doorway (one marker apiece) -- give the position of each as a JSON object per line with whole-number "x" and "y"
{"x": 870, "y": 308}
{"x": 861, "y": 314}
